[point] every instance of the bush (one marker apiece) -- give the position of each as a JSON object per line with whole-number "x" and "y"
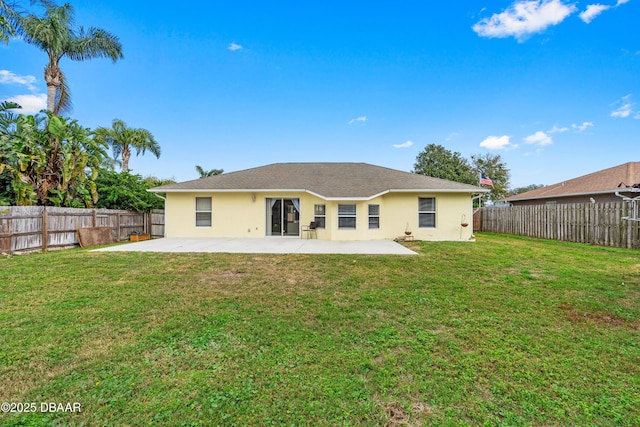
{"x": 123, "y": 190}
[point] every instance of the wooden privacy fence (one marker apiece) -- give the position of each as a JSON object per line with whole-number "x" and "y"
{"x": 156, "y": 223}
{"x": 32, "y": 228}
{"x": 594, "y": 223}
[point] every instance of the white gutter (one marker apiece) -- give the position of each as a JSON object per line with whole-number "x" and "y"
{"x": 509, "y": 199}
{"x": 211, "y": 190}
{"x": 264, "y": 190}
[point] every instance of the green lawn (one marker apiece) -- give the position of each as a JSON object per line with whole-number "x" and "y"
{"x": 504, "y": 331}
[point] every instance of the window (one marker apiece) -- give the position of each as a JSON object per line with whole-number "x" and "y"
{"x": 427, "y": 212}
{"x": 374, "y": 216}
{"x": 203, "y": 211}
{"x": 319, "y": 215}
{"x": 347, "y": 216}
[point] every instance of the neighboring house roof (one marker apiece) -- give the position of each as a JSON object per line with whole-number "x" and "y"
{"x": 601, "y": 182}
{"x": 326, "y": 180}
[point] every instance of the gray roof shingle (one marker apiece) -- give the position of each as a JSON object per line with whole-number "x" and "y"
{"x": 328, "y": 180}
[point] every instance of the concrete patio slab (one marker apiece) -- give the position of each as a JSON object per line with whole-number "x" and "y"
{"x": 273, "y": 245}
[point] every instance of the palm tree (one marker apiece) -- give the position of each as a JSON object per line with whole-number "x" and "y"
{"x": 123, "y": 139}
{"x": 205, "y": 173}
{"x": 9, "y": 21}
{"x": 54, "y": 34}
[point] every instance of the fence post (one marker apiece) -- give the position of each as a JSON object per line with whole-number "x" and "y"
{"x": 94, "y": 219}
{"x": 629, "y": 234}
{"x": 6, "y": 242}
{"x": 45, "y": 236}
{"x": 118, "y": 226}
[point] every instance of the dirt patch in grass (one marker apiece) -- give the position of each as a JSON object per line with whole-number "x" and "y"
{"x": 398, "y": 416}
{"x": 579, "y": 316}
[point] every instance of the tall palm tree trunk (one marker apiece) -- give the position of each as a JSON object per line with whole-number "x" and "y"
{"x": 53, "y": 78}
{"x": 126, "y": 155}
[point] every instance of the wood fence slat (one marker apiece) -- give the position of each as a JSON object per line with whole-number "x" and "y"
{"x": 34, "y": 228}
{"x": 593, "y": 223}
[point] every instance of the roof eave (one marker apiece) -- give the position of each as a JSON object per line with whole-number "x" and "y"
{"x": 328, "y": 198}
{"x": 223, "y": 190}
{"x": 590, "y": 193}
{"x": 434, "y": 190}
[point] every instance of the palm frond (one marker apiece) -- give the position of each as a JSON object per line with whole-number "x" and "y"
{"x": 95, "y": 43}
{"x": 10, "y": 20}
{"x": 63, "y": 97}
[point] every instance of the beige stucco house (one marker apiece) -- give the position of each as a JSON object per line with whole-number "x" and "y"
{"x": 346, "y": 201}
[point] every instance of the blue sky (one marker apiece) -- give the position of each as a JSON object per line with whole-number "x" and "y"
{"x": 553, "y": 86}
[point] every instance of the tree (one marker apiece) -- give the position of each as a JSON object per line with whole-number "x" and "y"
{"x": 123, "y": 190}
{"x": 9, "y": 21}
{"x": 438, "y": 162}
{"x": 520, "y": 190}
{"x": 54, "y": 33}
{"x": 122, "y": 139}
{"x": 7, "y": 118}
{"x": 493, "y": 167}
{"x": 205, "y": 173}
{"x": 49, "y": 160}
{"x": 22, "y": 155}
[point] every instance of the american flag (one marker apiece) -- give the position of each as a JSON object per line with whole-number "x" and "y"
{"x": 485, "y": 180}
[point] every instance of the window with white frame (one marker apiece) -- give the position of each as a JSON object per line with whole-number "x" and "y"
{"x": 347, "y": 216}
{"x": 374, "y": 216}
{"x": 203, "y": 211}
{"x": 427, "y": 212}
{"x": 320, "y": 215}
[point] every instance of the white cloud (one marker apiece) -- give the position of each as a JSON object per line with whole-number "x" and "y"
{"x": 539, "y": 138}
{"x": 405, "y": 145}
{"x": 557, "y": 129}
{"x": 581, "y": 128}
{"x": 578, "y": 128}
{"x": 524, "y": 18}
{"x": 31, "y": 104}
{"x": 361, "y": 119}
{"x": 234, "y": 46}
{"x": 625, "y": 109}
{"x": 496, "y": 142}
{"x": 452, "y": 136}
{"x": 7, "y": 77}
{"x": 592, "y": 11}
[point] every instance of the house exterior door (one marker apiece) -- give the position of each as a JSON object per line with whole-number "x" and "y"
{"x": 283, "y": 217}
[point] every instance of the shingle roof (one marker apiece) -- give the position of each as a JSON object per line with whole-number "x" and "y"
{"x": 328, "y": 180}
{"x": 604, "y": 181}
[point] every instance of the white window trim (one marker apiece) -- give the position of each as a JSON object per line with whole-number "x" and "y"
{"x": 320, "y": 216}
{"x": 210, "y": 212}
{"x": 435, "y": 217}
{"x": 373, "y": 216}
{"x": 354, "y": 216}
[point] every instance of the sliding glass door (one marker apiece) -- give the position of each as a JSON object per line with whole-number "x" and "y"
{"x": 283, "y": 217}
